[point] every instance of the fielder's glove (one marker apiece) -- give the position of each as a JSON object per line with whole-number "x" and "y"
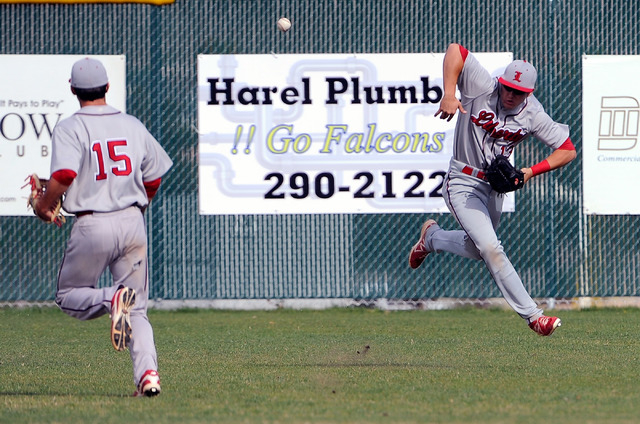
{"x": 503, "y": 176}
{"x": 38, "y": 187}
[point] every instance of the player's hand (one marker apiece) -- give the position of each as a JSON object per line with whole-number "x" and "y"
{"x": 528, "y": 173}
{"x": 449, "y": 105}
{"x": 44, "y": 213}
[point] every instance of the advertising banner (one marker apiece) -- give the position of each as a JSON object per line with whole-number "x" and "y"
{"x": 610, "y": 153}
{"x": 324, "y": 133}
{"x": 34, "y": 96}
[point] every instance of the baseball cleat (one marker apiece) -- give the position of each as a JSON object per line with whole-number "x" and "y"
{"x": 121, "y": 303}
{"x": 149, "y": 385}
{"x": 545, "y": 326}
{"x": 419, "y": 251}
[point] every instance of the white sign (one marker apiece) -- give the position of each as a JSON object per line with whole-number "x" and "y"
{"x": 611, "y": 152}
{"x": 34, "y": 96}
{"x": 324, "y": 133}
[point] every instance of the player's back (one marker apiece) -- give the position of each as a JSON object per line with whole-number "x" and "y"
{"x": 110, "y": 151}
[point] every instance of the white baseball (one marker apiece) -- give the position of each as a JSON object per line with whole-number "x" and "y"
{"x": 284, "y": 24}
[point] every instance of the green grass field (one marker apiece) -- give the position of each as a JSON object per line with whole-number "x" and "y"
{"x": 332, "y": 366}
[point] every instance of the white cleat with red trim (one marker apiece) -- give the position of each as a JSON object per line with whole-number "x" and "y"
{"x": 149, "y": 385}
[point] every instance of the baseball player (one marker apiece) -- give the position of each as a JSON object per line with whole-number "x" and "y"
{"x": 110, "y": 167}
{"x": 496, "y": 114}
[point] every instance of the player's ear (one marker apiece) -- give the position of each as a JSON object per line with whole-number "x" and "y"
{"x": 73, "y": 91}
{"x": 107, "y": 89}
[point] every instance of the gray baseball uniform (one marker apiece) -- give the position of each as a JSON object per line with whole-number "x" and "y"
{"x": 113, "y": 154}
{"x": 486, "y": 130}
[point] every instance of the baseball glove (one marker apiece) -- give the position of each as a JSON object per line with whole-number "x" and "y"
{"x": 503, "y": 176}
{"x": 38, "y": 187}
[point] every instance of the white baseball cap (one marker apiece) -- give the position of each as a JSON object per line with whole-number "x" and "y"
{"x": 520, "y": 75}
{"x": 88, "y": 73}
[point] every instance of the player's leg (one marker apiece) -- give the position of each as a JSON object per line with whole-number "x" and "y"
{"x": 456, "y": 186}
{"x": 538, "y": 322}
{"x": 88, "y": 253}
{"x": 131, "y": 270}
{"x": 478, "y": 215}
{"x": 433, "y": 238}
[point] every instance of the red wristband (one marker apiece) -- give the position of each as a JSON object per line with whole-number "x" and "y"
{"x": 540, "y": 168}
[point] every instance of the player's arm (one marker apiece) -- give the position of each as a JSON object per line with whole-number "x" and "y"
{"x": 452, "y": 68}
{"x": 559, "y": 158}
{"x": 151, "y": 187}
{"x": 56, "y": 187}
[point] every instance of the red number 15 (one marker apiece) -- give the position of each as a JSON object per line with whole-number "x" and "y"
{"x": 122, "y": 168}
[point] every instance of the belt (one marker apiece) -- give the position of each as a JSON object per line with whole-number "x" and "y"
{"x": 474, "y": 172}
{"x": 83, "y": 213}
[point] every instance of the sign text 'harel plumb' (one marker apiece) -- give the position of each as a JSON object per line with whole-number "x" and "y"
{"x": 222, "y": 92}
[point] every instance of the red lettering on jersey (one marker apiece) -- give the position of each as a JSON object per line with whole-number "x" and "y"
{"x": 486, "y": 121}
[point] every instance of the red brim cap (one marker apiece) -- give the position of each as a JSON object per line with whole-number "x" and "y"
{"x": 520, "y": 75}
{"x": 514, "y": 86}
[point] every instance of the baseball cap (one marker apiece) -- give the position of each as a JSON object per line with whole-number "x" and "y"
{"x": 520, "y": 75}
{"x": 88, "y": 73}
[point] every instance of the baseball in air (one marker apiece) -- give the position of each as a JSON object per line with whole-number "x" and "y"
{"x": 284, "y": 24}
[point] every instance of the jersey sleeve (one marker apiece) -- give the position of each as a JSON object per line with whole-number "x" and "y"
{"x": 66, "y": 152}
{"x": 474, "y": 80}
{"x": 548, "y": 131}
{"x": 156, "y": 162}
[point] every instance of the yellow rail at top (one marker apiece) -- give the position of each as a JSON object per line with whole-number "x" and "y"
{"x": 156, "y": 2}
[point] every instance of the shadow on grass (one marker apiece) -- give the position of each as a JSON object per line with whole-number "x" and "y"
{"x": 358, "y": 365}
{"x": 73, "y": 395}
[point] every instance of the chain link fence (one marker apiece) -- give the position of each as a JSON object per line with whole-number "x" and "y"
{"x": 559, "y": 252}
